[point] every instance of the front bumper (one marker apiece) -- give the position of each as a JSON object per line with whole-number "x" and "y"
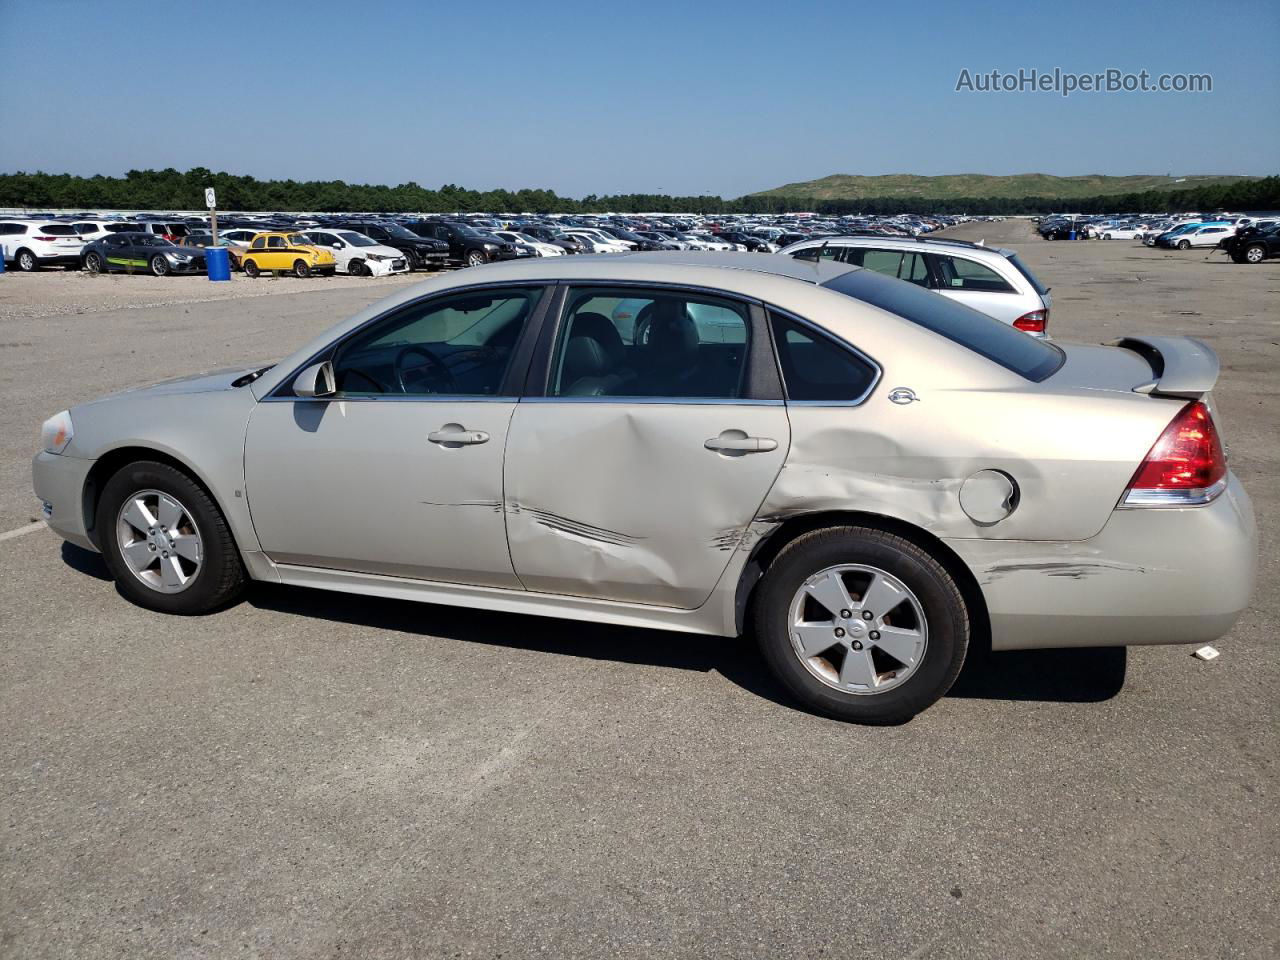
{"x": 59, "y": 482}
{"x": 1153, "y": 575}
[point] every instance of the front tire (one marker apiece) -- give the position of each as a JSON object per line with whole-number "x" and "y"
{"x": 1184, "y": 244}
{"x": 861, "y": 625}
{"x": 356, "y": 268}
{"x": 301, "y": 270}
{"x": 476, "y": 258}
{"x": 166, "y": 542}
{"x": 1255, "y": 253}
{"x": 159, "y": 266}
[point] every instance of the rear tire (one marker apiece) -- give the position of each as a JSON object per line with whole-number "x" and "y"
{"x": 923, "y": 600}
{"x": 251, "y": 269}
{"x": 93, "y": 263}
{"x": 301, "y": 270}
{"x": 211, "y": 563}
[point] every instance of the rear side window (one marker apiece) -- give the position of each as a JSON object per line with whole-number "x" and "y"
{"x": 58, "y": 230}
{"x": 999, "y": 342}
{"x": 959, "y": 273}
{"x": 817, "y": 369}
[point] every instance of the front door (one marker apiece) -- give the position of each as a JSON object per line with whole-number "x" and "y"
{"x": 399, "y": 473}
{"x": 637, "y": 474}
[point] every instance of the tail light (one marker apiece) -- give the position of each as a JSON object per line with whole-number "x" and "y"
{"x": 1186, "y": 467}
{"x": 1037, "y": 321}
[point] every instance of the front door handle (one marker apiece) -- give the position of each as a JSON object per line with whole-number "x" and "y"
{"x": 723, "y": 444}
{"x": 455, "y": 435}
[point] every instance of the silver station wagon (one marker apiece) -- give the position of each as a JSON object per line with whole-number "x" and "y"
{"x": 869, "y": 478}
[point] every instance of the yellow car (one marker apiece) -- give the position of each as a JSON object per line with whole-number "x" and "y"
{"x": 286, "y": 252}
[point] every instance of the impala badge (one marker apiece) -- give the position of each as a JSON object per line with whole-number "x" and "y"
{"x": 902, "y": 395}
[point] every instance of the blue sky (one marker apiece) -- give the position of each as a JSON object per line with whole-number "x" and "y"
{"x": 648, "y": 96}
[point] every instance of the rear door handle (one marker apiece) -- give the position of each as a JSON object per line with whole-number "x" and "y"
{"x": 453, "y": 434}
{"x": 741, "y": 444}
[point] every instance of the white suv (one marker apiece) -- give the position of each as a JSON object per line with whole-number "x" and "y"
{"x": 989, "y": 279}
{"x": 31, "y": 244}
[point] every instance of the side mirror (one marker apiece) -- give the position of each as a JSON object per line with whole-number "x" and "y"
{"x": 337, "y": 244}
{"x": 316, "y": 381}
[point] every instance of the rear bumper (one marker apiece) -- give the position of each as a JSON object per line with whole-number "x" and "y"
{"x": 59, "y": 482}
{"x": 1151, "y": 576}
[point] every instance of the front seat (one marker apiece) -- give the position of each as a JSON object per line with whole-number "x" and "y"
{"x": 670, "y": 346}
{"x": 594, "y": 358}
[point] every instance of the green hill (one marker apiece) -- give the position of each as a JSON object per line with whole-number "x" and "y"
{"x": 844, "y": 186}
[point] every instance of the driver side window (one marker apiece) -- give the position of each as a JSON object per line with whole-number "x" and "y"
{"x": 456, "y": 346}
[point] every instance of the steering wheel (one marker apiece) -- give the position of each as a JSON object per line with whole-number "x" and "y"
{"x": 441, "y": 375}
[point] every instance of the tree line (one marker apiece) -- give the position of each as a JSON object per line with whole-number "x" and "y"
{"x": 171, "y": 189}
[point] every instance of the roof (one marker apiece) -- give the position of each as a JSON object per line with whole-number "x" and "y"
{"x": 903, "y": 243}
{"x": 772, "y": 263}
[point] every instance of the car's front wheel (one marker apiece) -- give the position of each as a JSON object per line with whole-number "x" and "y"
{"x": 300, "y": 269}
{"x": 1255, "y": 253}
{"x": 861, "y": 625}
{"x": 1184, "y": 244}
{"x": 166, "y": 542}
{"x": 159, "y": 266}
{"x": 475, "y": 258}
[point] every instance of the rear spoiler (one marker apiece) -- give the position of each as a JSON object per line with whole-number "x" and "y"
{"x": 1183, "y": 366}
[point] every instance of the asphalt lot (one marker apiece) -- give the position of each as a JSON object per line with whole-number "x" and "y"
{"x": 313, "y": 775}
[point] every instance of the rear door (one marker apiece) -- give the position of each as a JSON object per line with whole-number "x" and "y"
{"x": 978, "y": 286}
{"x": 633, "y": 472}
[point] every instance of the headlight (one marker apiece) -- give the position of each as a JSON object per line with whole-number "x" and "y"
{"x": 180, "y": 256}
{"x": 376, "y": 256}
{"x": 56, "y": 432}
{"x": 491, "y": 246}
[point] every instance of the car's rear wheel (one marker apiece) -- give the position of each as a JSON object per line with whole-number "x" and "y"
{"x": 1256, "y": 253}
{"x": 166, "y": 542}
{"x": 1184, "y": 244}
{"x": 300, "y": 269}
{"x": 861, "y": 624}
{"x": 93, "y": 262}
{"x": 251, "y": 269}
{"x": 159, "y": 266}
{"x": 27, "y": 262}
{"x": 475, "y": 258}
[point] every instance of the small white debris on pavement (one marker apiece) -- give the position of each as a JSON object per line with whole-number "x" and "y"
{"x": 1206, "y": 653}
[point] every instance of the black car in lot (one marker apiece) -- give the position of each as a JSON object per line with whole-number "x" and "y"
{"x": 554, "y": 235}
{"x": 141, "y": 253}
{"x": 753, "y": 244}
{"x": 468, "y": 247}
{"x": 423, "y": 252}
{"x": 1252, "y": 245}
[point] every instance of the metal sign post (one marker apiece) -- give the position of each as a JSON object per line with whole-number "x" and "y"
{"x": 211, "y": 201}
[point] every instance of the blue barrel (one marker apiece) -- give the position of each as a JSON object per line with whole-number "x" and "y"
{"x": 219, "y": 263}
{"x": 1, "y": 261}
{"x": 1072, "y": 234}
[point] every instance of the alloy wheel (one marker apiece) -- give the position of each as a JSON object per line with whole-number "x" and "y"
{"x": 858, "y": 628}
{"x": 159, "y": 541}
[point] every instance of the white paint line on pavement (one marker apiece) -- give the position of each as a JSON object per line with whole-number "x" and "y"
{"x": 31, "y": 527}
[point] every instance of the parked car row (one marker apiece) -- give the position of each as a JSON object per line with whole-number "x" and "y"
{"x": 1179, "y": 232}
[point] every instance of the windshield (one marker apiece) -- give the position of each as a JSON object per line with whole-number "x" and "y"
{"x": 999, "y": 342}
{"x": 396, "y": 230}
{"x": 358, "y": 240}
{"x": 151, "y": 240}
{"x": 465, "y": 230}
